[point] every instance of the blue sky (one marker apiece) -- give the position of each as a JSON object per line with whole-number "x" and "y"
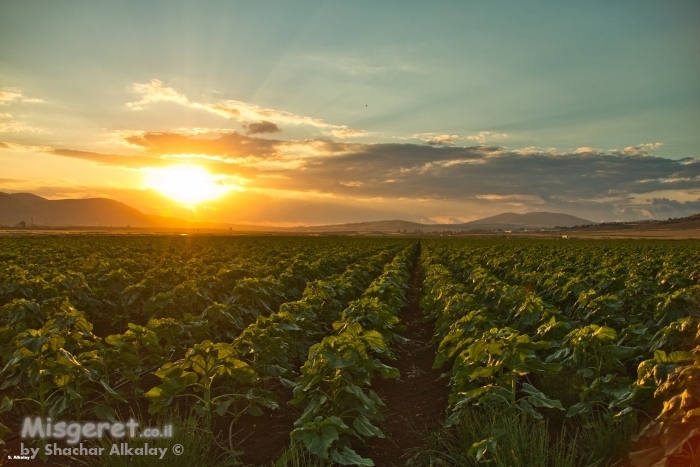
{"x": 552, "y": 80}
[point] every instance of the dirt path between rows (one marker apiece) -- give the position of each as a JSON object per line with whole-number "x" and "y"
{"x": 415, "y": 402}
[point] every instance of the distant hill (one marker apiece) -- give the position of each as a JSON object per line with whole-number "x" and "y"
{"x": 18, "y": 207}
{"x": 509, "y": 220}
{"x": 691, "y": 222}
{"x": 374, "y": 226}
{"x": 93, "y": 212}
{"x": 531, "y": 220}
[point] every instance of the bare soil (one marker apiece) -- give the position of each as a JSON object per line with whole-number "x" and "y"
{"x": 263, "y": 439}
{"x": 416, "y": 401}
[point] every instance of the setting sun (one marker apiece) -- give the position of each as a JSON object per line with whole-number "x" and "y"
{"x": 189, "y": 184}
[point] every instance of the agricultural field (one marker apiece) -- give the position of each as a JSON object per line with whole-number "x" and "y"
{"x": 325, "y": 351}
{"x": 564, "y": 353}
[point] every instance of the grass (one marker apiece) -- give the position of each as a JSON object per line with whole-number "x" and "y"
{"x": 198, "y": 448}
{"x": 522, "y": 441}
{"x": 603, "y": 441}
{"x": 296, "y": 457}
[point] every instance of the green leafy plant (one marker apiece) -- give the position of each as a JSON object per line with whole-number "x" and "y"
{"x": 195, "y": 376}
{"x": 673, "y": 436}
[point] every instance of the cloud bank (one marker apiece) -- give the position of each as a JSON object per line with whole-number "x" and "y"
{"x": 599, "y": 185}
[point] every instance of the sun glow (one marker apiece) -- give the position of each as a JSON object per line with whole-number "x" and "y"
{"x": 189, "y": 184}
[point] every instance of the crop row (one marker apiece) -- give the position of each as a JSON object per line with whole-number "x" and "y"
{"x": 53, "y": 362}
{"x": 116, "y": 281}
{"x": 510, "y": 332}
{"x": 336, "y": 378}
{"x": 263, "y": 352}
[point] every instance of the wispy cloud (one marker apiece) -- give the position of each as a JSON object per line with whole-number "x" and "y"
{"x": 345, "y": 132}
{"x": 360, "y": 67}
{"x": 18, "y": 127}
{"x": 482, "y": 136}
{"x": 24, "y": 147}
{"x": 436, "y": 139}
{"x": 644, "y": 149}
{"x": 535, "y": 150}
{"x": 243, "y": 112}
{"x": 9, "y": 95}
{"x": 587, "y": 150}
{"x": 445, "y": 139}
{"x": 154, "y": 92}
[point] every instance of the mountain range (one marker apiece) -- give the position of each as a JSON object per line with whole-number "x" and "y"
{"x": 35, "y": 210}
{"x": 505, "y": 221}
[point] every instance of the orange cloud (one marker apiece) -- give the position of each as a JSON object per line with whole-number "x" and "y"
{"x": 24, "y": 148}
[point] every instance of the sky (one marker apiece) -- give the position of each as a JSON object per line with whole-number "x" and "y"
{"x": 318, "y": 112}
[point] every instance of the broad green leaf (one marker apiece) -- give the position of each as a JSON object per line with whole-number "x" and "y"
{"x": 222, "y": 406}
{"x": 538, "y": 366}
{"x": 104, "y": 412}
{"x": 6, "y": 404}
{"x": 577, "y": 409}
{"x": 620, "y": 352}
{"x": 154, "y": 393}
{"x": 526, "y": 407}
{"x": 375, "y": 340}
{"x": 682, "y": 356}
{"x": 483, "y": 372}
{"x": 318, "y": 439}
{"x": 365, "y": 428}
{"x": 481, "y": 448}
{"x": 538, "y": 399}
{"x": 605, "y": 333}
{"x": 349, "y": 457}
{"x": 337, "y": 361}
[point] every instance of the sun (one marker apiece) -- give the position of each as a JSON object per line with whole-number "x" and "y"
{"x": 188, "y": 184}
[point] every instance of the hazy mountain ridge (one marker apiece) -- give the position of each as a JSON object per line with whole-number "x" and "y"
{"x": 94, "y": 212}
{"x": 509, "y": 220}
{"x": 18, "y": 207}
{"x": 531, "y": 220}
